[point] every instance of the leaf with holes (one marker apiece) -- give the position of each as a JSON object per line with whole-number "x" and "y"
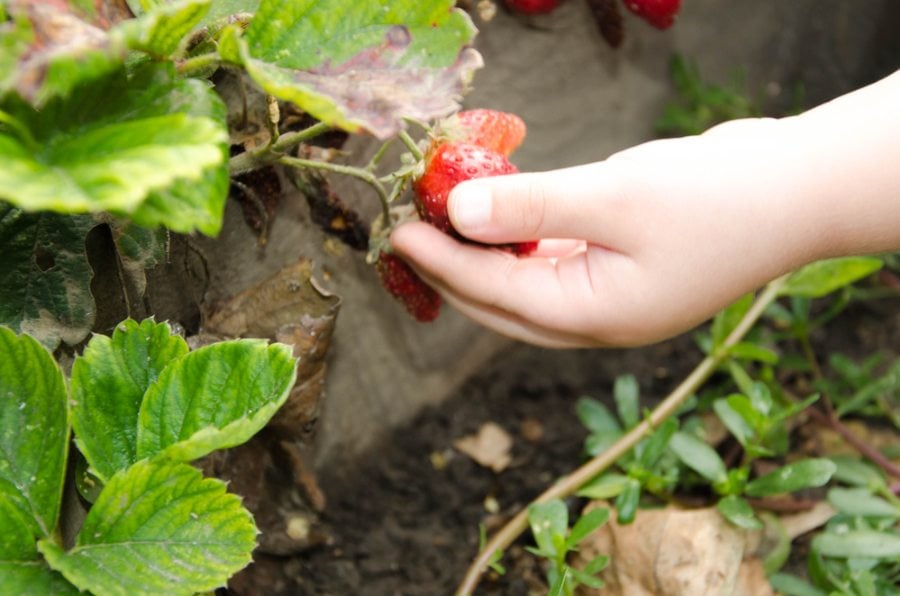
{"x": 360, "y": 65}
{"x": 215, "y": 397}
{"x": 122, "y": 144}
{"x": 108, "y": 384}
{"x": 158, "y": 528}
{"x": 45, "y": 276}
{"x": 34, "y": 431}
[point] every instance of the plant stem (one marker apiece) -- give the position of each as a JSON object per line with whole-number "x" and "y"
{"x": 571, "y": 483}
{"x": 359, "y": 173}
{"x": 868, "y": 451}
{"x": 268, "y": 154}
{"x": 411, "y": 145}
{"x": 197, "y": 65}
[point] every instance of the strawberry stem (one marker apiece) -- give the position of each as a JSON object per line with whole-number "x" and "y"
{"x": 268, "y": 154}
{"x": 358, "y": 173}
{"x": 667, "y": 408}
{"x": 411, "y": 145}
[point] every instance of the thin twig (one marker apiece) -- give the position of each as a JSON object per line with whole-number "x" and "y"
{"x": 866, "y": 450}
{"x": 359, "y": 173}
{"x": 268, "y": 154}
{"x": 411, "y": 145}
{"x": 571, "y": 483}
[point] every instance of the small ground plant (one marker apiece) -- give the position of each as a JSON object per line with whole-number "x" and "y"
{"x": 142, "y": 407}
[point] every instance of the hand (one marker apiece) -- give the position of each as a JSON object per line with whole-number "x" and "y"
{"x": 658, "y": 238}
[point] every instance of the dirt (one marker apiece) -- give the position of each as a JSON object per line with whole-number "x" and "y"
{"x": 405, "y": 520}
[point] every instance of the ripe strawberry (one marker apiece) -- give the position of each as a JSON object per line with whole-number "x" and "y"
{"x": 401, "y": 282}
{"x": 659, "y": 13}
{"x": 532, "y": 6}
{"x": 448, "y": 164}
{"x": 498, "y": 131}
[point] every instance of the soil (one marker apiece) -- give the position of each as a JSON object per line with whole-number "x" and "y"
{"x": 405, "y": 520}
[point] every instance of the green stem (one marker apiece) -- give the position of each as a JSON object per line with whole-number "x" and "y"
{"x": 379, "y": 155}
{"x": 198, "y": 65}
{"x": 359, "y": 173}
{"x": 668, "y": 407}
{"x": 268, "y": 154}
{"x": 411, "y": 145}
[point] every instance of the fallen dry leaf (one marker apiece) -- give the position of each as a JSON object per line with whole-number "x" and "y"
{"x": 489, "y": 447}
{"x": 675, "y": 552}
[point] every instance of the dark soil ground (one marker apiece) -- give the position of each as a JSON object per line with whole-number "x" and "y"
{"x": 400, "y": 524}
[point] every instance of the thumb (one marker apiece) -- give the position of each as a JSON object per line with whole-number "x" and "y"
{"x": 564, "y": 203}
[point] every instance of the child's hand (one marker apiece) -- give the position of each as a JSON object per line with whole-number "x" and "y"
{"x": 658, "y": 238}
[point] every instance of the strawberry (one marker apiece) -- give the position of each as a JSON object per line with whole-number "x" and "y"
{"x": 448, "y": 164}
{"x": 532, "y": 6}
{"x": 659, "y": 13}
{"x": 492, "y": 129}
{"x": 401, "y": 282}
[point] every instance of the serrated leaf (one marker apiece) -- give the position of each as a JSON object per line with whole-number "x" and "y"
{"x": 34, "y": 430}
{"x": 360, "y": 65}
{"x": 33, "y": 577}
{"x": 45, "y": 275}
{"x": 626, "y": 392}
{"x": 698, "y": 456}
{"x": 48, "y": 48}
{"x": 739, "y": 512}
{"x": 806, "y": 473}
{"x": 823, "y": 277}
{"x": 161, "y": 30}
{"x": 548, "y": 520}
{"x": 158, "y": 528}
{"x": 858, "y": 544}
{"x": 115, "y": 143}
{"x": 108, "y": 384}
{"x": 215, "y": 397}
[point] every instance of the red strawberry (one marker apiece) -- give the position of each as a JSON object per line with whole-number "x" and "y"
{"x": 448, "y": 164}
{"x": 405, "y": 285}
{"x": 498, "y": 131}
{"x": 532, "y": 6}
{"x": 659, "y": 13}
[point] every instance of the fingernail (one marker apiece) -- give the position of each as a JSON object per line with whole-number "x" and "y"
{"x": 470, "y": 207}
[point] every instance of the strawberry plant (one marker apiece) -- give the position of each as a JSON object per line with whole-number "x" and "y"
{"x": 141, "y": 407}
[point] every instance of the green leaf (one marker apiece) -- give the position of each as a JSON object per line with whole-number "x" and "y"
{"x": 627, "y": 501}
{"x": 791, "y": 585}
{"x": 653, "y": 447}
{"x": 158, "y": 528}
{"x": 48, "y": 48}
{"x": 734, "y": 421}
{"x": 858, "y": 544}
{"x": 596, "y": 565}
{"x": 739, "y": 512}
{"x": 108, "y": 383}
{"x": 801, "y": 474}
{"x": 34, "y": 431}
{"x": 596, "y": 417}
{"x": 215, "y": 397}
{"x": 860, "y": 501}
{"x": 161, "y": 31}
{"x": 727, "y": 319}
{"x": 749, "y": 351}
{"x": 823, "y": 277}
{"x": 130, "y": 145}
{"x": 586, "y": 525}
{"x": 45, "y": 276}
{"x": 698, "y": 456}
{"x": 586, "y": 579}
{"x": 605, "y": 487}
{"x": 548, "y": 520}
{"x": 626, "y": 392}
{"x": 853, "y": 470}
{"x": 360, "y": 65}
